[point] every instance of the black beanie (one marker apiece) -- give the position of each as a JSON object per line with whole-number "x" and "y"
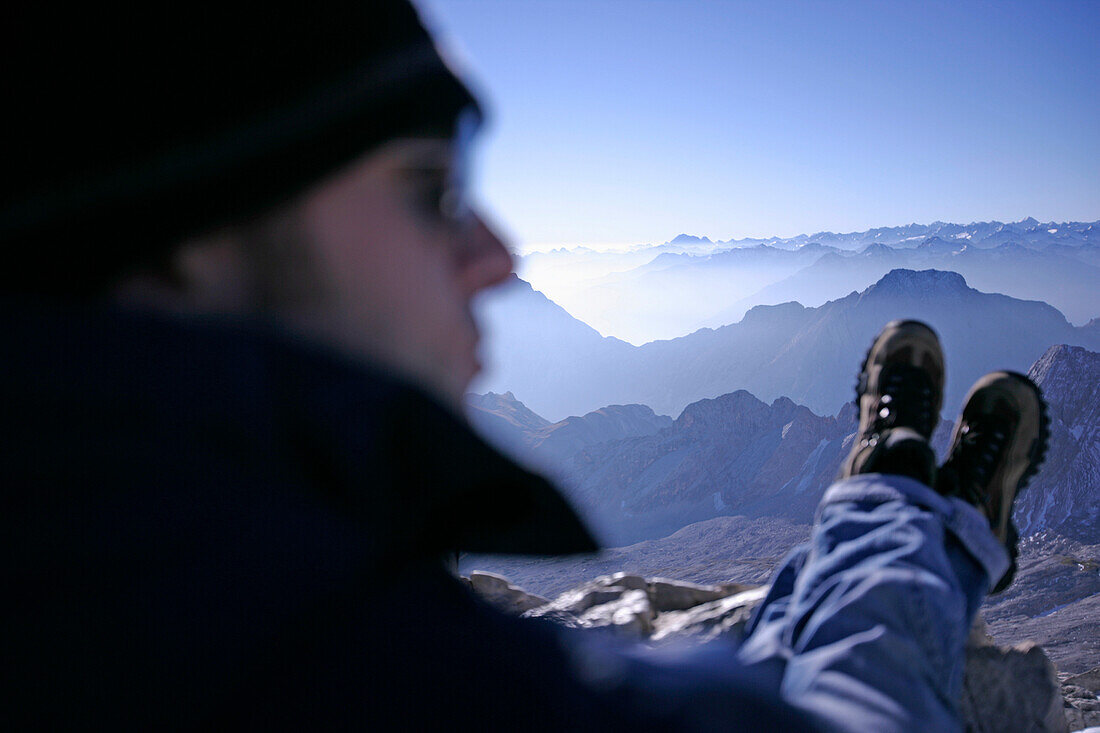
{"x": 131, "y": 128}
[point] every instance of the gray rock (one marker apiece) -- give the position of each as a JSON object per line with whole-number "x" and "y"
{"x": 1089, "y": 680}
{"x": 1011, "y": 689}
{"x": 1076, "y": 692}
{"x": 1079, "y": 720}
{"x": 571, "y": 607}
{"x": 604, "y": 589}
{"x": 708, "y": 621}
{"x": 555, "y": 616}
{"x": 672, "y": 595}
{"x": 631, "y": 613}
{"x": 1082, "y": 707}
{"x": 502, "y": 594}
{"x": 979, "y": 634}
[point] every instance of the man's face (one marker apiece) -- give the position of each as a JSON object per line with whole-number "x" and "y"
{"x": 392, "y": 267}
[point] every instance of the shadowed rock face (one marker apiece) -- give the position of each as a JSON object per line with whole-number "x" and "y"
{"x": 733, "y": 455}
{"x": 1065, "y": 495}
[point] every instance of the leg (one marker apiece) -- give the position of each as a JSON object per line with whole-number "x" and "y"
{"x": 871, "y": 633}
{"x": 866, "y": 625}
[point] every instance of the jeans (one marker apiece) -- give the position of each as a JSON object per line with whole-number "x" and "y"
{"x": 864, "y": 627}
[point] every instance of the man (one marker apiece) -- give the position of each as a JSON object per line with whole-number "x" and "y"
{"x": 234, "y": 457}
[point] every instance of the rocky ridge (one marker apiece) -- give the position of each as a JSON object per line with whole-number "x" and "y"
{"x": 1065, "y": 495}
{"x": 727, "y": 456}
{"x": 649, "y": 476}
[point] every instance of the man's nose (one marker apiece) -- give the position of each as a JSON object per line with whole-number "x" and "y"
{"x": 485, "y": 259}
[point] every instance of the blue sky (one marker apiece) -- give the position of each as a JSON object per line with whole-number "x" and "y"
{"x": 627, "y": 121}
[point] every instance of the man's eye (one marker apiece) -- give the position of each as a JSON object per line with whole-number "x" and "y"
{"x": 433, "y": 199}
{"x": 439, "y": 200}
{"x": 427, "y": 194}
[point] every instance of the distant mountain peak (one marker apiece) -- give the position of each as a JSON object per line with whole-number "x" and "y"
{"x": 708, "y": 410}
{"x": 918, "y": 282}
{"x": 772, "y": 313}
{"x": 507, "y": 407}
{"x": 689, "y": 239}
{"x": 877, "y": 249}
{"x": 1065, "y": 362}
{"x": 515, "y": 280}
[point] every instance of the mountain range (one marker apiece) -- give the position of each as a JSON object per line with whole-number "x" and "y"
{"x": 640, "y": 476}
{"x": 1065, "y": 277}
{"x": 663, "y": 291}
{"x": 983, "y": 234}
{"x": 558, "y": 366}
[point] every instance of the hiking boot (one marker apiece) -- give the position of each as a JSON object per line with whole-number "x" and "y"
{"x": 999, "y": 441}
{"x": 899, "y": 394}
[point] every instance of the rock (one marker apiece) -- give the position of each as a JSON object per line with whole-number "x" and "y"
{"x": 663, "y": 596}
{"x": 502, "y": 594}
{"x": 708, "y": 621}
{"x": 1081, "y": 692}
{"x": 979, "y": 634}
{"x": 631, "y": 613}
{"x": 602, "y": 590}
{"x": 561, "y": 618}
{"x": 1089, "y": 680}
{"x": 1074, "y": 692}
{"x": 1011, "y": 689}
{"x": 671, "y": 595}
{"x": 1082, "y": 721}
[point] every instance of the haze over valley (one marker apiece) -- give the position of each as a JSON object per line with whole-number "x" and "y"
{"x": 648, "y": 292}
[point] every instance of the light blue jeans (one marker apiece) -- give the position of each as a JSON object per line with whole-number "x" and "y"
{"x": 864, "y": 627}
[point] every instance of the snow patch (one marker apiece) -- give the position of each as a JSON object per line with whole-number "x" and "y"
{"x": 1049, "y": 611}
{"x": 809, "y": 467}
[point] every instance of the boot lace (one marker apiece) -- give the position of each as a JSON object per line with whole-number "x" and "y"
{"x": 906, "y": 400}
{"x": 976, "y": 458}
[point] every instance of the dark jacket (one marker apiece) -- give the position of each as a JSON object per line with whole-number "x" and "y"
{"x": 210, "y": 523}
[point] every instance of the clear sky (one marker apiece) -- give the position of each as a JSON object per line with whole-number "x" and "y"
{"x": 628, "y": 121}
